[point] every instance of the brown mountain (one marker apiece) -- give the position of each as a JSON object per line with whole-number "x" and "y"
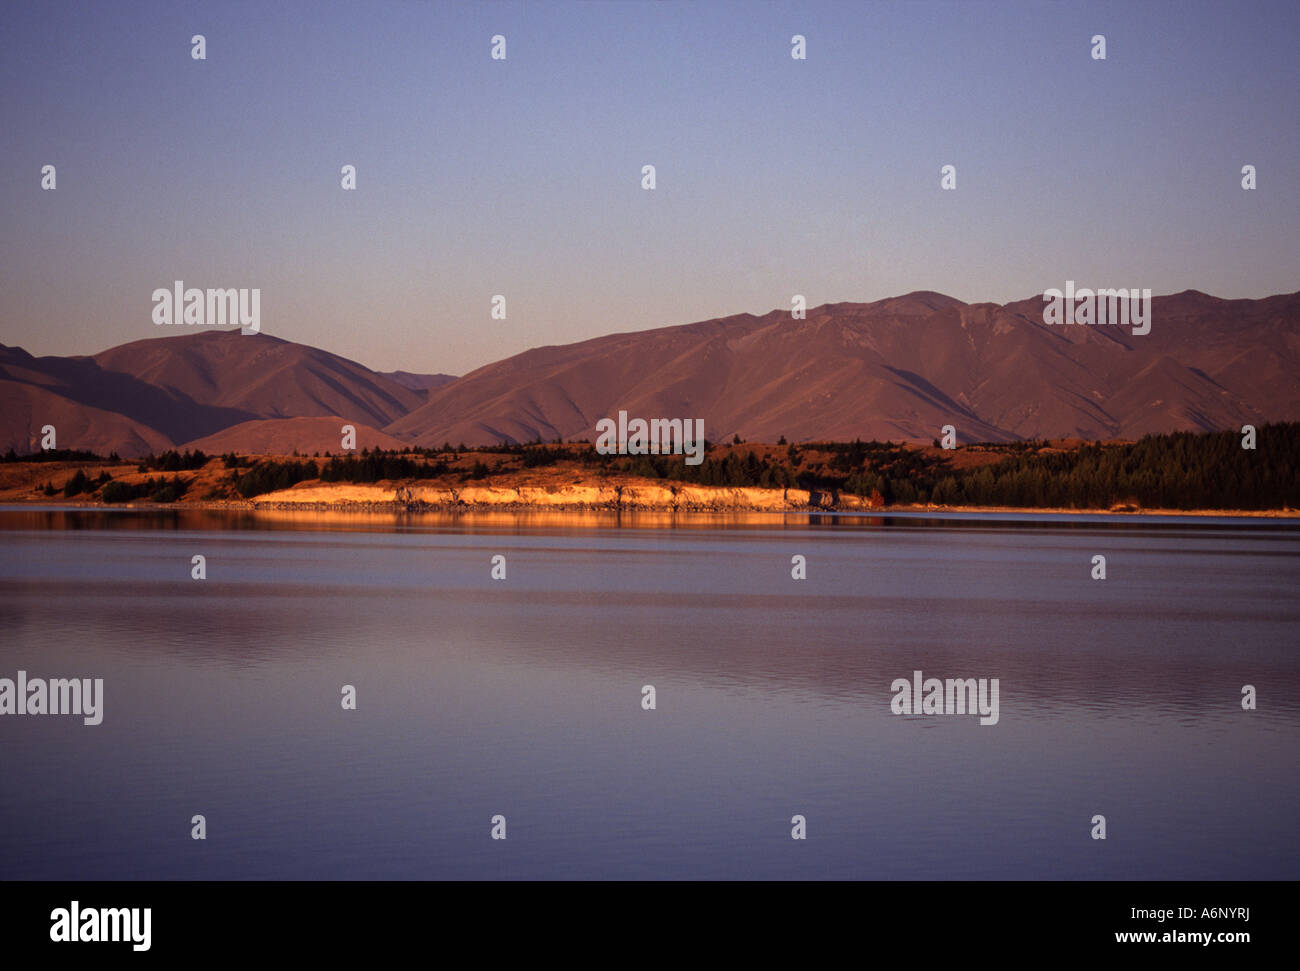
{"x": 896, "y": 369}
{"x": 153, "y": 394}
{"x": 263, "y": 377}
{"x": 283, "y": 436}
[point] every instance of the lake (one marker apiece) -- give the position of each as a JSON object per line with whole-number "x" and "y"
{"x": 522, "y": 697}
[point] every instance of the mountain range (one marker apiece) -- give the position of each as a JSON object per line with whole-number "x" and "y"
{"x": 896, "y": 369}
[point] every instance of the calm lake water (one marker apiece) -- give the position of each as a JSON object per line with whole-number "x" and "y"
{"x": 522, "y": 697}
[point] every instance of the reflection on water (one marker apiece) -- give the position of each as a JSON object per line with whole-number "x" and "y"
{"x": 522, "y": 696}
{"x": 29, "y": 517}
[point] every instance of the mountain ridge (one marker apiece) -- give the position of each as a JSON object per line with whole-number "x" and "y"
{"x": 898, "y": 368}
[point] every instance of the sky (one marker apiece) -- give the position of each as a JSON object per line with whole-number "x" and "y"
{"x": 523, "y": 177}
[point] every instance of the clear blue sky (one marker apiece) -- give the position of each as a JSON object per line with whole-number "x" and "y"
{"x": 522, "y": 177}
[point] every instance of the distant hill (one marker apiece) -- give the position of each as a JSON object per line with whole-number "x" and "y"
{"x": 156, "y": 393}
{"x": 418, "y": 382}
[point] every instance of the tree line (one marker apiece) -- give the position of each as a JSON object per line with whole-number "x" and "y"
{"x": 1181, "y": 470}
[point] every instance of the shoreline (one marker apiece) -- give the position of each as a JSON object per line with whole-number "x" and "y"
{"x": 395, "y": 508}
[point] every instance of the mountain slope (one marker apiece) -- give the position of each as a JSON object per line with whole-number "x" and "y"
{"x": 283, "y": 436}
{"x": 26, "y": 408}
{"x": 78, "y": 397}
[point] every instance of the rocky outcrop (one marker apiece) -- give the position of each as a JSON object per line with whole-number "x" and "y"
{"x": 633, "y": 495}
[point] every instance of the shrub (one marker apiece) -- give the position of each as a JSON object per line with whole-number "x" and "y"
{"x": 76, "y": 485}
{"x": 167, "y": 493}
{"x": 117, "y": 492}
